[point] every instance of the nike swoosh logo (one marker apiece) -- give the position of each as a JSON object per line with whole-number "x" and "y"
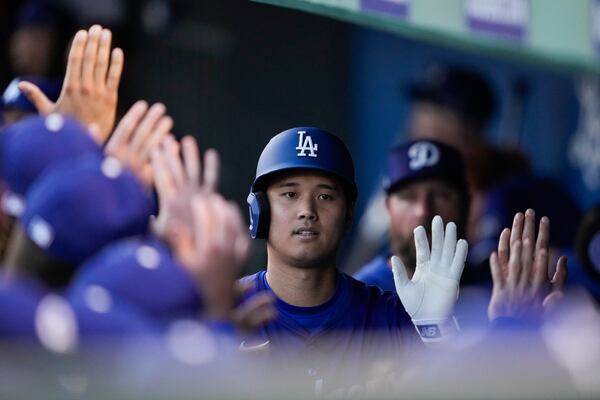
{"x": 255, "y": 347}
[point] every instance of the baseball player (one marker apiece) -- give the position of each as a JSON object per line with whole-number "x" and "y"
{"x": 15, "y": 106}
{"x": 301, "y": 202}
{"x": 73, "y": 210}
{"x": 424, "y": 178}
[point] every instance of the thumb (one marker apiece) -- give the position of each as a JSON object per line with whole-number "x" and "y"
{"x": 37, "y": 97}
{"x": 400, "y": 275}
{"x": 560, "y": 275}
{"x": 552, "y": 301}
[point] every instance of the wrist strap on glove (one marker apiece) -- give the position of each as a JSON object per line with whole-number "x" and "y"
{"x": 436, "y": 330}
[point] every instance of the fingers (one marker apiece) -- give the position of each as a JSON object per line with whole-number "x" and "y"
{"x": 449, "y": 251}
{"x": 255, "y": 312}
{"x": 242, "y": 287}
{"x": 146, "y": 126}
{"x": 497, "y": 276}
{"x": 182, "y": 241}
{"x": 37, "y": 97}
{"x": 127, "y": 125}
{"x": 540, "y": 271}
{"x": 162, "y": 129}
{"x": 73, "y": 74}
{"x": 543, "y": 239}
{"x": 437, "y": 240}
{"x": 460, "y": 257}
{"x": 203, "y": 224}
{"x": 101, "y": 65}
{"x": 516, "y": 233}
{"x": 422, "y": 246}
{"x": 503, "y": 251}
{"x": 191, "y": 160}
{"x": 117, "y": 60}
{"x": 528, "y": 237}
{"x": 173, "y": 162}
{"x": 89, "y": 57}
{"x": 165, "y": 188}
{"x": 526, "y": 262}
{"x": 399, "y": 272}
{"x": 560, "y": 275}
{"x": 514, "y": 264}
{"x": 211, "y": 170}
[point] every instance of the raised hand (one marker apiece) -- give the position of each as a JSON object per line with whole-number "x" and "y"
{"x": 176, "y": 179}
{"x": 255, "y": 311}
{"x": 213, "y": 251}
{"x": 90, "y": 88}
{"x": 519, "y": 269}
{"x": 430, "y": 295}
{"x": 138, "y": 133}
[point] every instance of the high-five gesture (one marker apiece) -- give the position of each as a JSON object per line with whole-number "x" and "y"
{"x": 138, "y": 133}
{"x": 213, "y": 251}
{"x": 430, "y": 295}
{"x": 520, "y": 271}
{"x": 177, "y": 179}
{"x": 91, "y": 84}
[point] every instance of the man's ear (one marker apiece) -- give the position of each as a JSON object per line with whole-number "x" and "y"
{"x": 387, "y": 203}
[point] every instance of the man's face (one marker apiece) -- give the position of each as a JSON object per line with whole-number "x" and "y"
{"x": 309, "y": 216}
{"x": 31, "y": 50}
{"x": 414, "y": 204}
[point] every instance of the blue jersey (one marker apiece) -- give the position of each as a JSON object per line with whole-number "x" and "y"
{"x": 377, "y": 272}
{"x": 359, "y": 323}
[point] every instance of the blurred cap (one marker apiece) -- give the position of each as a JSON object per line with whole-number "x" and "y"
{"x": 30, "y": 146}
{"x": 99, "y": 315}
{"x": 463, "y": 91}
{"x": 79, "y": 206}
{"x": 18, "y": 302}
{"x": 424, "y": 159}
{"x": 31, "y": 313}
{"x": 14, "y": 98}
{"x": 142, "y": 273}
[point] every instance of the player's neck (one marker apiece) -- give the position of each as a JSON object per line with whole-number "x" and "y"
{"x": 300, "y": 286}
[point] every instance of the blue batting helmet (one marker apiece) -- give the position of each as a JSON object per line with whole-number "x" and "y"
{"x": 293, "y": 149}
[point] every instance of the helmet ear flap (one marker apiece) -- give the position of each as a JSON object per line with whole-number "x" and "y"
{"x": 260, "y": 215}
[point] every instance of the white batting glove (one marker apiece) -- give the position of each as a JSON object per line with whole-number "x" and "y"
{"x": 429, "y": 297}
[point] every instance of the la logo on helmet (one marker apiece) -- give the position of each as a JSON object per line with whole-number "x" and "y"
{"x": 423, "y": 154}
{"x": 305, "y": 143}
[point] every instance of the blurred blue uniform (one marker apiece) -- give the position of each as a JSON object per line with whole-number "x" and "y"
{"x": 337, "y": 339}
{"x": 378, "y": 273}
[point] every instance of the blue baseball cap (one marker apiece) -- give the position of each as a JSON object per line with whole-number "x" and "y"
{"x": 29, "y": 147}
{"x": 100, "y": 315}
{"x": 31, "y": 313}
{"x": 18, "y": 301}
{"x": 79, "y": 206}
{"x": 424, "y": 159}
{"x": 14, "y": 98}
{"x": 143, "y": 273}
{"x": 306, "y": 148}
